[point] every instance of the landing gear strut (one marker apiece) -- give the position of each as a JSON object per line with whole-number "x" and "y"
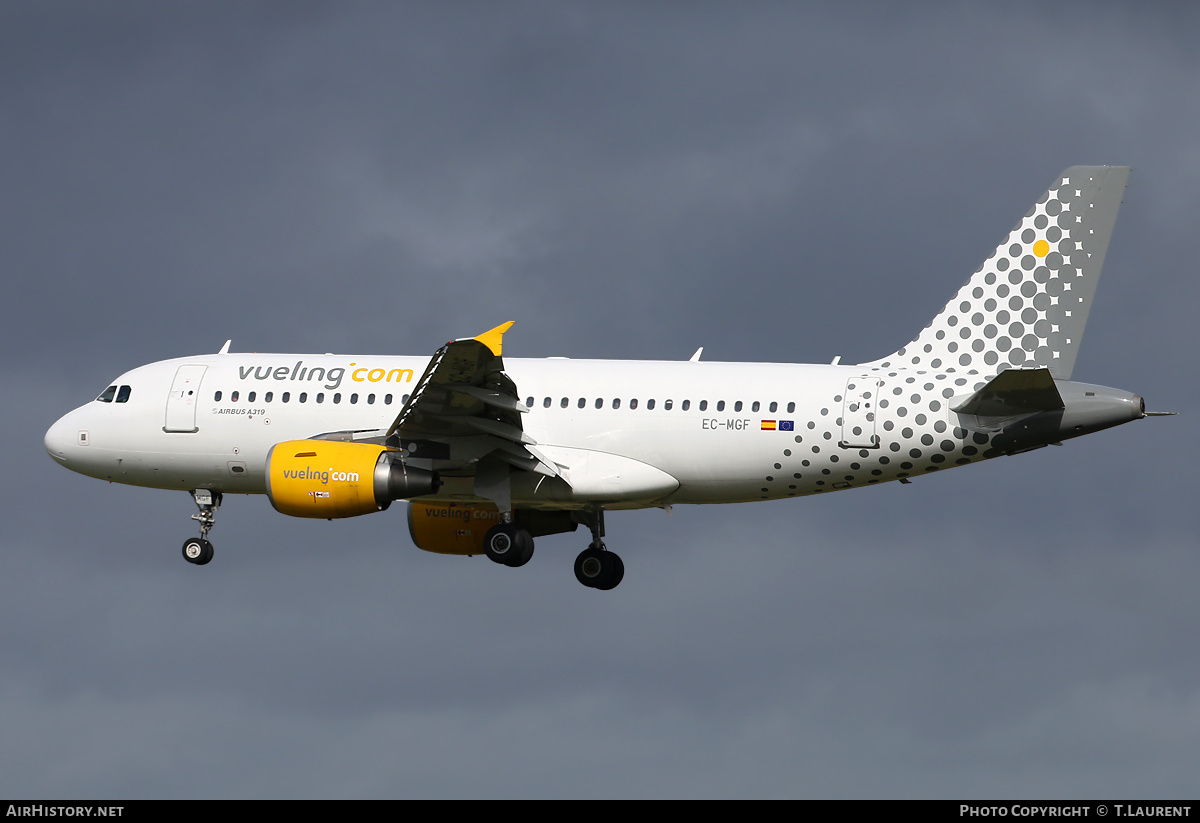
{"x": 596, "y": 567}
{"x": 198, "y": 550}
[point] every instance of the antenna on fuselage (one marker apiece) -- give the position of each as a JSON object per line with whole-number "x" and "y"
{"x": 225, "y": 348}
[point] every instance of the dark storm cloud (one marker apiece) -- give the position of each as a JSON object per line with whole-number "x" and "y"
{"x": 771, "y": 182}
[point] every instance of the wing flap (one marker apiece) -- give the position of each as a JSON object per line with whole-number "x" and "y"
{"x": 491, "y": 398}
{"x": 465, "y": 411}
{"x": 499, "y": 429}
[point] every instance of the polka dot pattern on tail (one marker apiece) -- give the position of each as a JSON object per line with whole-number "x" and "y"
{"x": 1027, "y": 305}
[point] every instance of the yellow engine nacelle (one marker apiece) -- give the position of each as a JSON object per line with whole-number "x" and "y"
{"x": 329, "y": 478}
{"x": 450, "y": 528}
{"x": 459, "y": 528}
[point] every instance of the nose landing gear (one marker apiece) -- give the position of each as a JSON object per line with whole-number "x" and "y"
{"x": 198, "y": 550}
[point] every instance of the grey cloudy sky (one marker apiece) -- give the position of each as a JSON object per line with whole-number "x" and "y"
{"x": 624, "y": 180}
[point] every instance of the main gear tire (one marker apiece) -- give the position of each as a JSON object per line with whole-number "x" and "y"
{"x": 599, "y": 569}
{"x": 616, "y": 572}
{"x": 508, "y": 545}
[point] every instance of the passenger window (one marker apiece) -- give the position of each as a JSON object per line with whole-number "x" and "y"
{"x": 754, "y": 407}
{"x": 599, "y": 403}
{"x": 703, "y": 405}
{"x": 303, "y": 396}
{"x": 354, "y": 398}
{"x": 563, "y": 403}
{"x": 233, "y": 397}
{"x": 250, "y": 397}
{"x": 666, "y": 405}
{"x": 217, "y": 397}
{"x": 337, "y": 398}
{"x": 268, "y": 397}
{"x": 123, "y": 394}
{"x": 791, "y": 407}
{"x": 582, "y": 402}
{"x": 546, "y": 403}
{"x": 649, "y": 404}
{"x": 774, "y": 406}
{"x": 108, "y": 395}
{"x": 287, "y": 395}
{"x": 616, "y": 402}
{"x": 737, "y": 406}
{"x": 370, "y": 399}
{"x": 529, "y": 402}
{"x": 404, "y": 399}
{"x": 720, "y": 405}
{"x": 387, "y": 400}
{"x": 687, "y": 404}
{"x": 320, "y": 397}
{"x": 633, "y": 403}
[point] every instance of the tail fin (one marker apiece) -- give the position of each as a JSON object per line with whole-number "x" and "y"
{"x": 1027, "y": 305}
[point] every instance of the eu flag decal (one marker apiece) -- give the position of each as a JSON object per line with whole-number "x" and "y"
{"x": 787, "y": 425}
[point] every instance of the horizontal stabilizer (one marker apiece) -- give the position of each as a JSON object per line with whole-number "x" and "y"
{"x": 1014, "y": 392}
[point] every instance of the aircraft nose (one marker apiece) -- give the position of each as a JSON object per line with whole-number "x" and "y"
{"x": 59, "y": 438}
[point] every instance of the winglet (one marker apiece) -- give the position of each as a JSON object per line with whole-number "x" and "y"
{"x": 493, "y": 339}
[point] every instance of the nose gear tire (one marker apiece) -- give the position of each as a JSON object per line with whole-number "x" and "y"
{"x": 197, "y": 550}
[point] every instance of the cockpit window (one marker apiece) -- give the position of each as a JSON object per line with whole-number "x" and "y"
{"x": 108, "y": 395}
{"x": 123, "y": 394}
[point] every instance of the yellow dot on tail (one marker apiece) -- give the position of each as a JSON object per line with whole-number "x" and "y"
{"x": 1041, "y": 248}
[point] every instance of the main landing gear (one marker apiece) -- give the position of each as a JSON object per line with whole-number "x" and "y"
{"x": 198, "y": 550}
{"x": 596, "y": 567}
{"x": 508, "y": 544}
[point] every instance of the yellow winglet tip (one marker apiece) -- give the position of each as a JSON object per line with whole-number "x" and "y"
{"x": 494, "y": 339}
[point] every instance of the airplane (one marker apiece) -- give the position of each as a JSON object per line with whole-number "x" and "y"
{"x": 491, "y": 453}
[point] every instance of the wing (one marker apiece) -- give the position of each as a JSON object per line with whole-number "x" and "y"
{"x": 464, "y": 416}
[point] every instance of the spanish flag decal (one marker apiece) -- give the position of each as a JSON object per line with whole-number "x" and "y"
{"x": 768, "y": 425}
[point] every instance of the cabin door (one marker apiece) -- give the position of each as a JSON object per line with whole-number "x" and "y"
{"x": 182, "y": 401}
{"x": 859, "y": 404}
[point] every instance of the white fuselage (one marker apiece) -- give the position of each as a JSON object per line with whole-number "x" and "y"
{"x": 722, "y": 432}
